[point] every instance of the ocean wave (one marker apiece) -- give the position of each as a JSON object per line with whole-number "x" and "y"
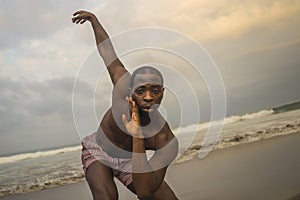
{"x": 291, "y": 126}
{"x": 37, "y": 185}
{"x": 189, "y": 128}
{"x": 70, "y": 171}
{"x": 227, "y": 120}
{"x": 14, "y": 158}
{"x": 287, "y": 107}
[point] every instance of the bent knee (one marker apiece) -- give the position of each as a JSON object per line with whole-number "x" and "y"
{"x": 145, "y": 196}
{"x": 109, "y": 193}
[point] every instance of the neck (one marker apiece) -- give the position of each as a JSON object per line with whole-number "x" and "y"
{"x": 145, "y": 119}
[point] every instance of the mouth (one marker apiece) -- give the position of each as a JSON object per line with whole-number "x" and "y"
{"x": 147, "y": 109}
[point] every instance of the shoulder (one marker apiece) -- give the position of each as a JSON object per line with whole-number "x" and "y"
{"x": 121, "y": 83}
{"x": 165, "y": 137}
{"x": 165, "y": 146}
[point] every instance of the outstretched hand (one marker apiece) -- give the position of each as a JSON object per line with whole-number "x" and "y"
{"x": 82, "y": 16}
{"x": 134, "y": 125}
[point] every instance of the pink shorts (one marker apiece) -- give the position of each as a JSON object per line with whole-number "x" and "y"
{"x": 92, "y": 152}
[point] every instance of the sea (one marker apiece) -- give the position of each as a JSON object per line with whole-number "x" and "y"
{"x": 27, "y": 172}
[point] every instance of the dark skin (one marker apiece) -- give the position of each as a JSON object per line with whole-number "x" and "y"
{"x": 134, "y": 124}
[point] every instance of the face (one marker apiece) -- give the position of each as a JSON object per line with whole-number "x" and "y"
{"x": 147, "y": 92}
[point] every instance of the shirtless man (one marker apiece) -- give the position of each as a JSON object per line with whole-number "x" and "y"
{"x": 130, "y": 127}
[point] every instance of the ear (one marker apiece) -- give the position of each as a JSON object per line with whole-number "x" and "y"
{"x": 162, "y": 92}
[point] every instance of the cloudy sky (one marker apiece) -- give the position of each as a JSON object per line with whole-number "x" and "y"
{"x": 255, "y": 45}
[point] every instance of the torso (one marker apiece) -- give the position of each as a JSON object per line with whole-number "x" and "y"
{"x": 119, "y": 140}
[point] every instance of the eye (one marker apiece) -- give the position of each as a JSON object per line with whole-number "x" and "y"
{"x": 156, "y": 90}
{"x": 139, "y": 90}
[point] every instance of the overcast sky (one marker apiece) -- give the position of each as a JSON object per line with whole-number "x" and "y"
{"x": 254, "y": 43}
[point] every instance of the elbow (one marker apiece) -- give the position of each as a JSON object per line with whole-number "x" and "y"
{"x": 144, "y": 195}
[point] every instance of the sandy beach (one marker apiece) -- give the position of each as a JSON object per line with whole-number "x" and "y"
{"x": 267, "y": 169}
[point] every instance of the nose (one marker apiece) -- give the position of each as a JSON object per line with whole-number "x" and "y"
{"x": 148, "y": 97}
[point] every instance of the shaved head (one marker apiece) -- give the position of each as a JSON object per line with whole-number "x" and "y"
{"x": 138, "y": 74}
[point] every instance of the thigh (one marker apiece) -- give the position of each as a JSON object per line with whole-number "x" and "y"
{"x": 101, "y": 181}
{"x": 164, "y": 192}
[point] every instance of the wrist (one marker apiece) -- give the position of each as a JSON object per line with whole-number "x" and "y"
{"x": 138, "y": 145}
{"x": 93, "y": 18}
{"x": 138, "y": 140}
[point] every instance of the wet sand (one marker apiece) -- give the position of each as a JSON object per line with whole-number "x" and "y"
{"x": 268, "y": 169}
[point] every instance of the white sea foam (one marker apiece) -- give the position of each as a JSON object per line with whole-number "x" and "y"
{"x": 66, "y": 168}
{"x": 14, "y": 158}
{"x": 259, "y": 114}
{"x": 245, "y": 129}
{"x": 180, "y": 130}
{"x": 227, "y": 120}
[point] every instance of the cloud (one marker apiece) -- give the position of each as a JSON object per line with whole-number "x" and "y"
{"x": 40, "y": 41}
{"x": 40, "y": 110}
{"x": 245, "y": 16}
{"x": 28, "y": 100}
{"x": 41, "y": 52}
{"x": 206, "y": 20}
{"x": 60, "y": 54}
{"x": 26, "y": 20}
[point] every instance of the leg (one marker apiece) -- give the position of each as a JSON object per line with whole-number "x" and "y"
{"x": 101, "y": 182}
{"x": 163, "y": 192}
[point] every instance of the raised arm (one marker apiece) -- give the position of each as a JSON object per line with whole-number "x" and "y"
{"x": 115, "y": 67}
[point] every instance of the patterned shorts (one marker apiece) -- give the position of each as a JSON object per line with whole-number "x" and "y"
{"x": 92, "y": 152}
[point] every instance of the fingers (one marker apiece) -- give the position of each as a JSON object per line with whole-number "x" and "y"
{"x": 124, "y": 119}
{"x": 78, "y": 20}
{"x": 130, "y": 100}
{"x": 83, "y": 21}
{"x": 80, "y": 17}
{"x": 133, "y": 104}
{"x": 77, "y": 12}
{"x": 75, "y": 20}
{"x": 135, "y": 110}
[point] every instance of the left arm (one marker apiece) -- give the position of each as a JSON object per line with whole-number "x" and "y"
{"x": 149, "y": 175}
